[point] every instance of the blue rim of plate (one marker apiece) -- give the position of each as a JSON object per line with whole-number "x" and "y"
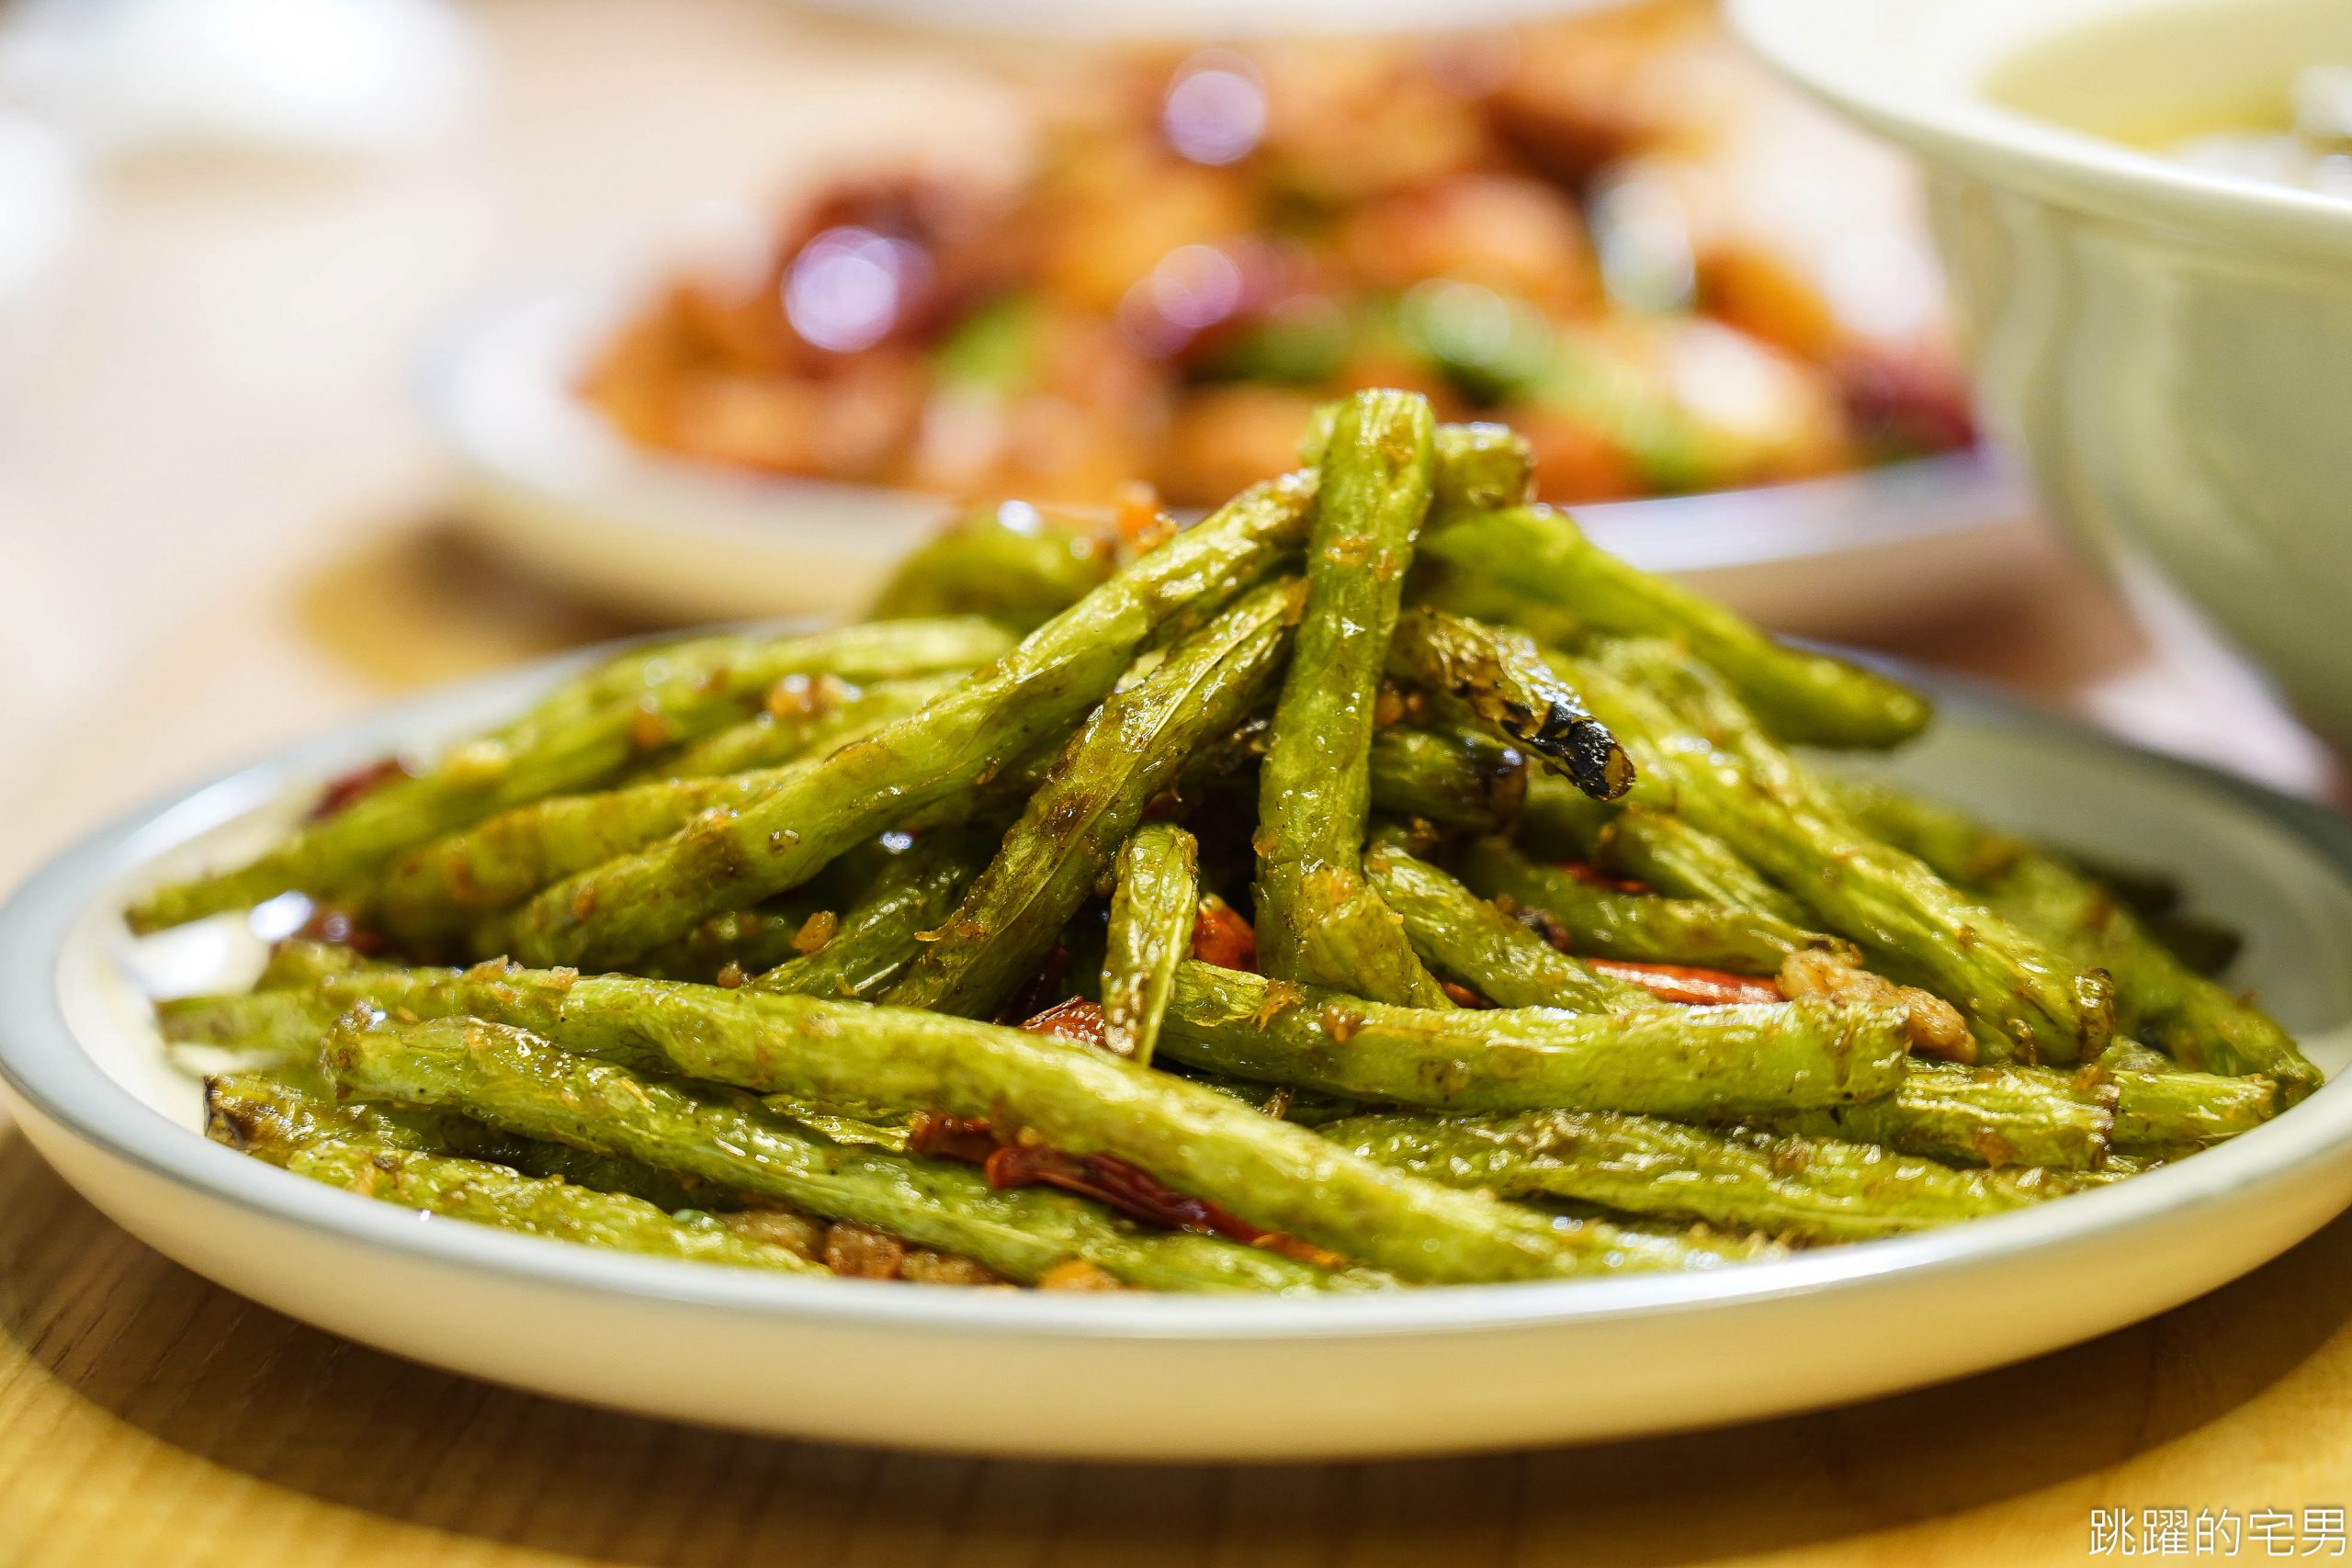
{"x": 44, "y": 1066}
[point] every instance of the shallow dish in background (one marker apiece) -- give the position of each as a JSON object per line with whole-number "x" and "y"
{"x": 1138, "y": 1376}
{"x": 2166, "y": 344}
{"x": 545, "y": 480}
{"x": 1159, "y": 19}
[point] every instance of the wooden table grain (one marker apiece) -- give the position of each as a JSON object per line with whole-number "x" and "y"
{"x": 219, "y": 530}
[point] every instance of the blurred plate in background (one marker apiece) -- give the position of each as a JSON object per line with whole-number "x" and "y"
{"x": 1199, "y": 18}
{"x": 547, "y": 481}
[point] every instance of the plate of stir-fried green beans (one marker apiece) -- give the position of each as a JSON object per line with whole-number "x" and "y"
{"x": 1367, "y": 972}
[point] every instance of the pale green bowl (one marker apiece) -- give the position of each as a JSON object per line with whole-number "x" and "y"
{"x": 2171, "y": 349}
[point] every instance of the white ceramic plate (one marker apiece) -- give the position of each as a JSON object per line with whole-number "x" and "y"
{"x": 1138, "y": 1376}
{"x": 547, "y": 481}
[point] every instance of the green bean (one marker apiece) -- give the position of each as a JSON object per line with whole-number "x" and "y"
{"x": 714, "y": 659}
{"x": 1458, "y": 933}
{"x": 451, "y": 885}
{"x": 285, "y": 1022}
{"x": 1153, "y": 911}
{"x": 1005, "y": 560}
{"x": 1817, "y": 1190}
{"x": 1960, "y": 851}
{"x": 544, "y": 1000}
{"x": 884, "y": 931}
{"x": 300, "y": 961}
{"x": 2173, "y": 1109}
{"x": 1133, "y": 748}
{"x": 1316, "y": 918}
{"x": 567, "y": 745}
{"x": 493, "y": 1195}
{"x": 1503, "y": 678}
{"x": 1453, "y": 778}
{"x": 2037, "y": 1116}
{"x": 512, "y": 1079}
{"x": 1691, "y": 1062}
{"x": 1667, "y": 853}
{"x": 440, "y": 890}
{"x": 2193, "y": 1020}
{"x": 722, "y": 862}
{"x": 748, "y": 941}
{"x": 1800, "y": 696}
{"x": 1989, "y": 1116}
{"x": 1303, "y": 1108}
{"x": 1711, "y": 1062}
{"x": 2189, "y": 1017}
{"x": 2124, "y": 1055}
{"x": 2020, "y": 997}
{"x": 1077, "y": 1098}
{"x": 270, "y": 1115}
{"x": 1480, "y": 466}
{"x": 810, "y": 715}
{"x": 1458, "y": 592}
{"x": 1473, "y": 466}
{"x": 1611, "y": 924}
{"x": 1559, "y": 822}
{"x": 2207, "y": 946}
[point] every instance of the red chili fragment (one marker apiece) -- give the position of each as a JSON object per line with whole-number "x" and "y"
{"x": 1584, "y": 871}
{"x": 1077, "y": 1019}
{"x": 965, "y": 1138}
{"x": 1106, "y": 1178}
{"x": 1690, "y": 987}
{"x": 346, "y": 788}
{"x": 1220, "y": 936}
{"x": 1138, "y": 1194}
{"x": 1463, "y": 996}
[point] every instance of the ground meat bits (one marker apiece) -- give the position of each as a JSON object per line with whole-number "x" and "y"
{"x": 862, "y": 1254}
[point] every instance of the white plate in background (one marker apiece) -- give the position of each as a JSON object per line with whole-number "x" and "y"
{"x": 1138, "y": 1376}
{"x": 1086, "y": 20}
{"x": 547, "y": 481}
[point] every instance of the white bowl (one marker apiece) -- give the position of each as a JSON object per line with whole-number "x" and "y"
{"x": 1175, "y": 1378}
{"x": 2172, "y": 349}
{"x": 547, "y": 479}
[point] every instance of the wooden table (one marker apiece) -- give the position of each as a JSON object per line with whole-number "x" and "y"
{"x": 217, "y": 530}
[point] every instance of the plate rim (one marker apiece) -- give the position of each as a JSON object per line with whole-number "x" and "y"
{"x": 44, "y": 1065}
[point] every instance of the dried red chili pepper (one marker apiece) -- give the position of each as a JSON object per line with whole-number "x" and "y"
{"x": 346, "y": 788}
{"x": 1106, "y": 1178}
{"x": 1077, "y": 1019}
{"x": 1220, "y": 936}
{"x": 1689, "y": 986}
{"x": 965, "y": 1138}
{"x": 1591, "y": 875}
